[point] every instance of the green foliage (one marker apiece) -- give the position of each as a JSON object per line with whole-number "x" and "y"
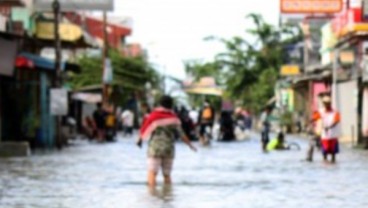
{"x": 249, "y": 70}
{"x": 130, "y": 75}
{"x": 198, "y": 70}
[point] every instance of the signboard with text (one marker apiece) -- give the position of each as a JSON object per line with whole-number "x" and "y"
{"x": 73, "y": 5}
{"x": 108, "y": 73}
{"x": 59, "y": 102}
{"x": 310, "y": 6}
{"x": 289, "y": 70}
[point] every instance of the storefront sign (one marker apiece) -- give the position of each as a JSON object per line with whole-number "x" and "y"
{"x": 347, "y": 57}
{"x": 108, "y": 72}
{"x": 68, "y": 32}
{"x": 73, "y": 5}
{"x": 310, "y": 6}
{"x": 290, "y": 70}
{"x": 59, "y": 102}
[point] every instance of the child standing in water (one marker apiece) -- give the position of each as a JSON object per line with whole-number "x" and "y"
{"x": 160, "y": 127}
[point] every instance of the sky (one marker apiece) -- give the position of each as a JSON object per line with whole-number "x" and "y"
{"x": 173, "y": 31}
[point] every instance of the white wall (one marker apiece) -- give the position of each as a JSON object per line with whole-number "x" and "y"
{"x": 88, "y": 109}
{"x": 347, "y": 105}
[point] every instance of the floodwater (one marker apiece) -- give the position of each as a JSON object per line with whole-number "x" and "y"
{"x": 238, "y": 174}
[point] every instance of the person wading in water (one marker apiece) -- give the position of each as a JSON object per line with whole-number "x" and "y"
{"x": 330, "y": 120}
{"x": 160, "y": 127}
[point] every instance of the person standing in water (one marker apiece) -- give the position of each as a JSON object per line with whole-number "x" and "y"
{"x": 160, "y": 127}
{"x": 127, "y": 118}
{"x": 206, "y": 119}
{"x": 265, "y": 127}
{"x": 330, "y": 120}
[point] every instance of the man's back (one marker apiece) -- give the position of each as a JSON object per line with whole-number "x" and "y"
{"x": 99, "y": 117}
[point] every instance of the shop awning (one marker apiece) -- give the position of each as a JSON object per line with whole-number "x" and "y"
{"x": 91, "y": 89}
{"x": 204, "y": 91}
{"x": 321, "y": 76}
{"x": 205, "y": 86}
{"x": 87, "y": 97}
{"x": 23, "y": 62}
{"x": 25, "y": 59}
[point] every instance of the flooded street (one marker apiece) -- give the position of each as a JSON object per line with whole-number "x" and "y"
{"x": 225, "y": 175}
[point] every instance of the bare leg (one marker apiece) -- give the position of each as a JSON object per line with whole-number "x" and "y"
{"x": 310, "y": 153}
{"x": 167, "y": 164}
{"x": 201, "y": 139}
{"x": 151, "y": 178}
{"x": 333, "y": 158}
{"x": 167, "y": 179}
{"x": 325, "y": 157}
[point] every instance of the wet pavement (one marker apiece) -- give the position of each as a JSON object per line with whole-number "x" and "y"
{"x": 238, "y": 174}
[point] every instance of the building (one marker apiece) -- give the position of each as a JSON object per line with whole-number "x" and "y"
{"x": 116, "y": 31}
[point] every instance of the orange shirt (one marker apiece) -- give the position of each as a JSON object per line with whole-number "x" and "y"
{"x": 328, "y": 119}
{"x": 317, "y": 115}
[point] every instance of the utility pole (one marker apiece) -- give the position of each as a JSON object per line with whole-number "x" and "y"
{"x": 335, "y": 66}
{"x": 58, "y": 77}
{"x": 105, "y": 87}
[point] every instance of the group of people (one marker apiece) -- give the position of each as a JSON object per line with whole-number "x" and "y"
{"x": 102, "y": 125}
{"x": 106, "y": 121}
{"x": 161, "y": 126}
{"x": 164, "y": 125}
{"x": 326, "y": 130}
{"x": 198, "y": 125}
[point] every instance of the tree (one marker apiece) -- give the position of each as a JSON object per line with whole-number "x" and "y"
{"x": 197, "y": 70}
{"x": 131, "y": 74}
{"x": 249, "y": 70}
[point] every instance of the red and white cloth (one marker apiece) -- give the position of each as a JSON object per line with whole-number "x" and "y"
{"x": 329, "y": 137}
{"x": 159, "y": 117}
{"x": 328, "y": 118}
